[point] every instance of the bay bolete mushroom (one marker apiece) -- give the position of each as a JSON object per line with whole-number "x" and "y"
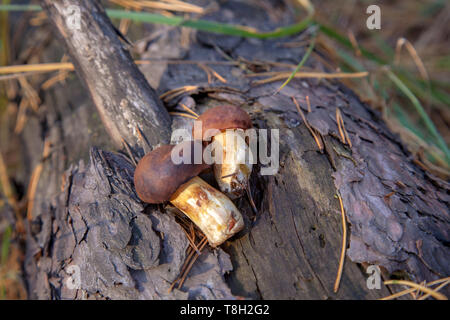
{"x": 220, "y": 124}
{"x": 158, "y": 179}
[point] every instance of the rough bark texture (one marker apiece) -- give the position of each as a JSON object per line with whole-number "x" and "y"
{"x": 124, "y": 100}
{"x": 291, "y": 249}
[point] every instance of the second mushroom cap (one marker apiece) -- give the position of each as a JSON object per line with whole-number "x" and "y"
{"x": 221, "y": 118}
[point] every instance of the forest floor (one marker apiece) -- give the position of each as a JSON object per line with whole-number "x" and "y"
{"x": 408, "y": 60}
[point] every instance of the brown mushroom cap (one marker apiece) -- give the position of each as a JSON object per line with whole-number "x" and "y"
{"x": 222, "y": 118}
{"x": 156, "y": 177}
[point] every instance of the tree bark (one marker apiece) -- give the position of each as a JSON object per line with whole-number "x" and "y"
{"x": 397, "y": 214}
{"x": 126, "y": 103}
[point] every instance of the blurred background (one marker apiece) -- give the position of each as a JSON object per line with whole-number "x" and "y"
{"x": 408, "y": 61}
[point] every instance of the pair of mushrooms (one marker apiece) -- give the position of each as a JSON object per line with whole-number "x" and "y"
{"x": 158, "y": 179}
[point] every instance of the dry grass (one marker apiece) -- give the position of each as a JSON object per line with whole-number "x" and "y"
{"x": 341, "y": 127}
{"x": 414, "y": 291}
{"x": 210, "y": 73}
{"x": 277, "y": 76}
{"x": 414, "y": 286}
{"x": 314, "y": 132}
{"x": 197, "y": 242}
{"x": 41, "y": 67}
{"x": 169, "y": 5}
{"x": 34, "y": 180}
{"x": 344, "y": 246}
{"x": 171, "y": 94}
{"x": 181, "y": 114}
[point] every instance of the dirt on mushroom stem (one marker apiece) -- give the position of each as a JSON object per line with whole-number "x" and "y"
{"x": 232, "y": 174}
{"x": 213, "y": 212}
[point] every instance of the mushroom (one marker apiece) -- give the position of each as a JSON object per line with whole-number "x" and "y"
{"x": 158, "y": 179}
{"x": 220, "y": 123}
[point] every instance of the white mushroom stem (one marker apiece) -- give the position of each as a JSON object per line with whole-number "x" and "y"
{"x": 233, "y": 170}
{"x": 212, "y": 211}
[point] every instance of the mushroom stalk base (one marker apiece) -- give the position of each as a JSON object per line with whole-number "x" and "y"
{"x": 213, "y": 212}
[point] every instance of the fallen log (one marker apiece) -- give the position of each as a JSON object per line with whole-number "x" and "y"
{"x": 97, "y": 228}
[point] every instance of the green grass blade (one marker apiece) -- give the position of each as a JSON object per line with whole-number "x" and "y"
{"x": 347, "y": 43}
{"x": 404, "y": 119}
{"x": 439, "y": 97}
{"x": 350, "y": 61}
{"x": 20, "y": 7}
{"x": 204, "y": 25}
{"x": 301, "y": 63}
{"x": 4, "y": 35}
{"x": 6, "y": 242}
{"x": 421, "y": 111}
{"x": 210, "y": 26}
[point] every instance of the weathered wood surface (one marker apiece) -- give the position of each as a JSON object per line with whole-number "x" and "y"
{"x": 124, "y": 100}
{"x": 291, "y": 250}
